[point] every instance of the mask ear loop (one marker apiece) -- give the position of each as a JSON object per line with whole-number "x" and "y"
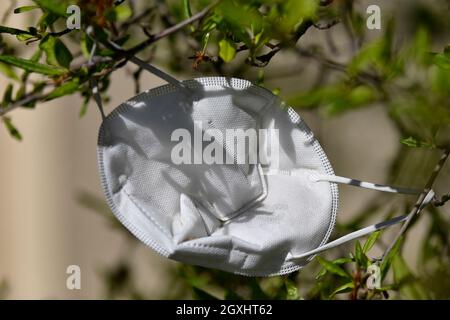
{"x": 362, "y": 232}
{"x": 363, "y": 184}
{"x": 144, "y": 65}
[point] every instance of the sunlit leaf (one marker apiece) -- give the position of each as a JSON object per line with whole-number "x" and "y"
{"x": 349, "y": 286}
{"x": 8, "y": 71}
{"x": 227, "y": 51}
{"x": 65, "y": 89}
{"x": 333, "y": 268}
{"x": 371, "y": 240}
{"x": 7, "y": 96}
{"x": 56, "y": 7}
{"x": 25, "y": 9}
{"x": 32, "y": 66}
{"x": 56, "y": 52}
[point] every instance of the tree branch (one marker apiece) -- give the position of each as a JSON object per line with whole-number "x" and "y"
{"x": 419, "y": 201}
{"x": 200, "y": 15}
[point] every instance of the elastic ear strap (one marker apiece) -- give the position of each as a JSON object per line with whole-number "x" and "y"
{"x": 364, "y": 184}
{"x": 362, "y": 232}
{"x": 150, "y": 68}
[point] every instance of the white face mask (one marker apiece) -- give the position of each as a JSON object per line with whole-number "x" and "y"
{"x": 258, "y": 219}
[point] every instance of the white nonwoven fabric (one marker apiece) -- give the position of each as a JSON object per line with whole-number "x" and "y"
{"x": 231, "y": 216}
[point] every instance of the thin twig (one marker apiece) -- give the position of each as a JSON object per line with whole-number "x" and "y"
{"x": 419, "y": 201}
{"x": 165, "y": 33}
{"x": 27, "y": 99}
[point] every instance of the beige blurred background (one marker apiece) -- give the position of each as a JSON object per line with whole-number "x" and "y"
{"x": 44, "y": 229}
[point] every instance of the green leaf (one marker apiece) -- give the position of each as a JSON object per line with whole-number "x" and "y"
{"x": 25, "y": 37}
{"x": 122, "y": 12}
{"x": 65, "y": 89}
{"x": 56, "y": 7}
{"x": 360, "y": 257}
{"x": 56, "y": 51}
{"x": 11, "y": 128}
{"x": 188, "y": 13}
{"x": 349, "y": 286}
{"x": 25, "y": 9}
{"x": 187, "y": 9}
{"x": 86, "y": 45}
{"x": 387, "y": 261}
{"x": 342, "y": 261}
{"x": 7, "y": 97}
{"x": 333, "y": 268}
{"x": 227, "y": 51}
{"x": 8, "y": 71}
{"x": 32, "y": 66}
{"x": 13, "y": 31}
{"x": 84, "y": 107}
{"x": 371, "y": 241}
{"x": 414, "y": 143}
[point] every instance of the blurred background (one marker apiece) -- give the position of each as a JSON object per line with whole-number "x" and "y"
{"x": 52, "y": 209}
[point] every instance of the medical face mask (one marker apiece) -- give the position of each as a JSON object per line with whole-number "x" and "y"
{"x": 176, "y": 176}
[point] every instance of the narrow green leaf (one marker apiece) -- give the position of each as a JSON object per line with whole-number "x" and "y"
{"x": 13, "y": 31}
{"x": 25, "y": 9}
{"x": 342, "y": 261}
{"x": 56, "y": 51}
{"x": 349, "y": 286}
{"x": 32, "y": 66}
{"x": 371, "y": 241}
{"x": 65, "y": 89}
{"x": 56, "y": 7}
{"x": 8, "y": 71}
{"x": 227, "y": 51}
{"x": 388, "y": 259}
{"x": 11, "y": 128}
{"x": 84, "y": 107}
{"x": 25, "y": 37}
{"x": 333, "y": 268}
{"x": 187, "y": 9}
{"x": 414, "y": 143}
{"x": 7, "y": 97}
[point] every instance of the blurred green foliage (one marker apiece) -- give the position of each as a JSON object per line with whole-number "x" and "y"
{"x": 405, "y": 67}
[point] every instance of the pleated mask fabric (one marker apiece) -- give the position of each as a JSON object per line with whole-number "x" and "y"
{"x": 258, "y": 218}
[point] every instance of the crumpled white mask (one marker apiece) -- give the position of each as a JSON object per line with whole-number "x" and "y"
{"x": 253, "y": 219}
